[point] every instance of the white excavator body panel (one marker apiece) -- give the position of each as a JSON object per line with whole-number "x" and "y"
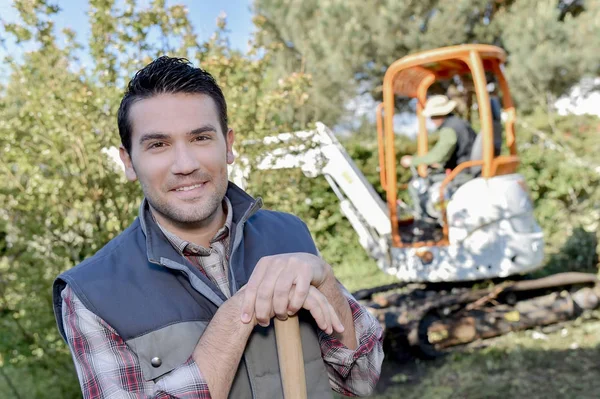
{"x": 491, "y": 233}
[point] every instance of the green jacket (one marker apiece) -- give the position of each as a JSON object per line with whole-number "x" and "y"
{"x": 441, "y": 152}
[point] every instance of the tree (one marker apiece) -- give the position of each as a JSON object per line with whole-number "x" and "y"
{"x": 62, "y": 198}
{"x": 550, "y": 49}
{"x": 348, "y": 45}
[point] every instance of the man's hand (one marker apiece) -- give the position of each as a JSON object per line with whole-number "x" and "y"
{"x": 281, "y": 285}
{"x": 406, "y": 161}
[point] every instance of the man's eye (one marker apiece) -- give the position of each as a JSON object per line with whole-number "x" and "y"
{"x": 201, "y": 138}
{"x": 156, "y": 145}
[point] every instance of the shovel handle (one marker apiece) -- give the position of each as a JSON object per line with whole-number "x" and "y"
{"x": 291, "y": 361}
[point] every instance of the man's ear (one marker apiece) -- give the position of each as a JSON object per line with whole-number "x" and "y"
{"x": 229, "y": 139}
{"x": 126, "y": 159}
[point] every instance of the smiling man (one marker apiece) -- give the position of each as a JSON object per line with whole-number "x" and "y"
{"x": 179, "y": 305}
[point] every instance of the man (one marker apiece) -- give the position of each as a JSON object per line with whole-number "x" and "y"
{"x": 180, "y": 303}
{"x": 456, "y": 137}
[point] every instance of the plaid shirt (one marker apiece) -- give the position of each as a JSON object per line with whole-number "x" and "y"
{"x": 108, "y": 368}
{"x": 212, "y": 261}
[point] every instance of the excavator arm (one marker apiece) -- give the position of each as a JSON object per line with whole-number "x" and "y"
{"x": 322, "y": 154}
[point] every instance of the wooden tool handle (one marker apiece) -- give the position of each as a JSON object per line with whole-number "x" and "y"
{"x": 291, "y": 361}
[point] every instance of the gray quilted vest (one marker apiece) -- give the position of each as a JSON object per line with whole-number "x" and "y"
{"x": 465, "y": 137}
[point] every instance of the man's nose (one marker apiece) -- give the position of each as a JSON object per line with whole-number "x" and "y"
{"x": 185, "y": 162}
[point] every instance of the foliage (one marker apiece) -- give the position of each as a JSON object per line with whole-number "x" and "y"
{"x": 344, "y": 43}
{"x": 62, "y": 197}
{"x": 557, "y": 161}
{"x": 547, "y": 55}
{"x": 348, "y": 45}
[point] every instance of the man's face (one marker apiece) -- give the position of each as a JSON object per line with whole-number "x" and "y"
{"x": 438, "y": 120}
{"x": 180, "y": 155}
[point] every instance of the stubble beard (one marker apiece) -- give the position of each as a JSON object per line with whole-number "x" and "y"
{"x": 195, "y": 213}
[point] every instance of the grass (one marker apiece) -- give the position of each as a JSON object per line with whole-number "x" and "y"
{"x": 561, "y": 364}
{"x": 355, "y": 269}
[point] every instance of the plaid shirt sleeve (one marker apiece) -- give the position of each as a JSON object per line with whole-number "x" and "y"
{"x": 108, "y": 368}
{"x": 355, "y": 372}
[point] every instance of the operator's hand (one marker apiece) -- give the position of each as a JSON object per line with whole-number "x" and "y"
{"x": 406, "y": 161}
{"x": 281, "y": 285}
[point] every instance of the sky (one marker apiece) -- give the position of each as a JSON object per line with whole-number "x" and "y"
{"x": 203, "y": 15}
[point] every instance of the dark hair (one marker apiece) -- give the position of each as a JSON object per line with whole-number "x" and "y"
{"x": 168, "y": 75}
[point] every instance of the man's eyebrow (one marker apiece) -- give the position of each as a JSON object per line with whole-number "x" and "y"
{"x": 164, "y": 136}
{"x": 202, "y": 129}
{"x": 153, "y": 136}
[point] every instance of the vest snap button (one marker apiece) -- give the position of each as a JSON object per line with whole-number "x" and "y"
{"x": 156, "y": 362}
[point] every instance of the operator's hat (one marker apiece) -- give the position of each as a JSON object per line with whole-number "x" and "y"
{"x": 438, "y": 105}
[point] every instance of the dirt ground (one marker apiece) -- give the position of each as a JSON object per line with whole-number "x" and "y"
{"x": 560, "y": 361}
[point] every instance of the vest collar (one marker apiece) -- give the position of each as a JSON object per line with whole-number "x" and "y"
{"x": 447, "y": 120}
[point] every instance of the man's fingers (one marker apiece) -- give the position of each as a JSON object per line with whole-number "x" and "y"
{"x": 251, "y": 291}
{"x": 299, "y": 295}
{"x": 326, "y": 309}
{"x": 320, "y": 309}
{"x": 323, "y": 312}
{"x": 280, "y": 286}
{"x": 264, "y": 296}
{"x": 336, "y": 323}
{"x": 314, "y": 307}
{"x": 282, "y": 293}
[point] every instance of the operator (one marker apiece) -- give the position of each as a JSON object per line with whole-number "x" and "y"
{"x": 180, "y": 303}
{"x": 456, "y": 138}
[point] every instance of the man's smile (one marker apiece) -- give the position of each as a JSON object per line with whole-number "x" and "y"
{"x": 189, "y": 191}
{"x": 190, "y": 187}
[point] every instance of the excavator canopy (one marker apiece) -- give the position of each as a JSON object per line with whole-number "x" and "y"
{"x": 412, "y": 76}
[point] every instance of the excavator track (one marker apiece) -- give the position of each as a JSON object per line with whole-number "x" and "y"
{"x": 430, "y": 320}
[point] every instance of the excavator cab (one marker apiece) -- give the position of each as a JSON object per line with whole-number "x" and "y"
{"x": 484, "y": 225}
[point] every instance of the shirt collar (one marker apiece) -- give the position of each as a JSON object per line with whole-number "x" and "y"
{"x": 189, "y": 248}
